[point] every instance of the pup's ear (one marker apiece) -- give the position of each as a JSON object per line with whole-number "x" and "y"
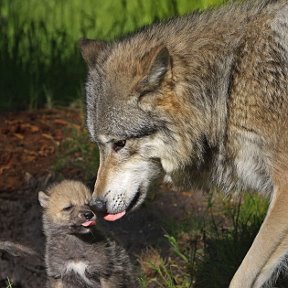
{"x": 157, "y": 62}
{"x": 90, "y": 50}
{"x": 43, "y": 199}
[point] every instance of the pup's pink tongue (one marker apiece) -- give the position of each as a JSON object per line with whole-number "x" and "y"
{"x": 114, "y": 217}
{"x": 89, "y": 223}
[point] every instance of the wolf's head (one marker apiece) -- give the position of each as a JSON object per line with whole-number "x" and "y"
{"x": 65, "y": 208}
{"x": 139, "y": 118}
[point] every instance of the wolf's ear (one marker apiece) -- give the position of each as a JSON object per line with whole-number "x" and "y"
{"x": 90, "y": 50}
{"x": 158, "y": 64}
{"x": 43, "y": 199}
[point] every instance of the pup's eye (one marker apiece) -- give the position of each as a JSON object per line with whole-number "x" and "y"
{"x": 67, "y": 208}
{"x": 118, "y": 145}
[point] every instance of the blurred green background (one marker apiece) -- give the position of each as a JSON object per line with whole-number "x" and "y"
{"x": 40, "y": 63}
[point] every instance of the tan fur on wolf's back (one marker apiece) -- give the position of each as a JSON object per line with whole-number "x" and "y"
{"x": 205, "y": 94}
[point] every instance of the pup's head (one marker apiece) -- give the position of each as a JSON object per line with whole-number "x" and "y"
{"x": 65, "y": 208}
{"x": 137, "y": 119}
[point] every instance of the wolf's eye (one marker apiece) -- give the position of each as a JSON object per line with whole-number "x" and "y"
{"x": 67, "y": 208}
{"x": 118, "y": 145}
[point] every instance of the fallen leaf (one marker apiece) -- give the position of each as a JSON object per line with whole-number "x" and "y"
{"x": 47, "y": 136}
{"x": 77, "y": 127}
{"x": 29, "y": 158}
{"x": 30, "y": 152}
{"x": 34, "y": 128}
{"x": 46, "y": 150}
{"x": 19, "y": 136}
{"x": 60, "y": 122}
{"x": 5, "y": 167}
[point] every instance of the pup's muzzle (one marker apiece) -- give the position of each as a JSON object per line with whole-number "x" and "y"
{"x": 88, "y": 215}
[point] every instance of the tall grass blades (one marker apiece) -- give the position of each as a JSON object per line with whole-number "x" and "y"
{"x": 8, "y": 284}
{"x": 39, "y": 58}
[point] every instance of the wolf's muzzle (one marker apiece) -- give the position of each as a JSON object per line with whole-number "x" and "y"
{"x": 98, "y": 205}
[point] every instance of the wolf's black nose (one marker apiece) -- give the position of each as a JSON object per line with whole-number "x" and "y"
{"x": 88, "y": 215}
{"x": 98, "y": 205}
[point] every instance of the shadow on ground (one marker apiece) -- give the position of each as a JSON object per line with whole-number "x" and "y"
{"x": 20, "y": 216}
{"x": 20, "y": 221}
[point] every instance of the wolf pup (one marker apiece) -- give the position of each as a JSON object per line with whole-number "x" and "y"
{"x": 76, "y": 254}
{"x": 205, "y": 94}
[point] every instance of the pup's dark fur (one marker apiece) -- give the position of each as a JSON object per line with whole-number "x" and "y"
{"x": 209, "y": 90}
{"x": 77, "y": 255}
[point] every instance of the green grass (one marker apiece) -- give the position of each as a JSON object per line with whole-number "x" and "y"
{"x": 227, "y": 243}
{"x": 77, "y": 155}
{"x": 8, "y": 283}
{"x": 206, "y": 255}
{"x": 40, "y": 63}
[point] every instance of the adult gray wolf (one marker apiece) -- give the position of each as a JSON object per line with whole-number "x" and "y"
{"x": 205, "y": 94}
{"x": 76, "y": 254}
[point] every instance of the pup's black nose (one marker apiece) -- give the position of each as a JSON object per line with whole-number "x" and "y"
{"x": 98, "y": 205}
{"x": 88, "y": 215}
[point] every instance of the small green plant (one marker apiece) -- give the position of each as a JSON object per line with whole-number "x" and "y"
{"x": 8, "y": 283}
{"x": 171, "y": 271}
{"x": 228, "y": 238}
{"x": 166, "y": 275}
{"x": 176, "y": 249}
{"x": 206, "y": 254}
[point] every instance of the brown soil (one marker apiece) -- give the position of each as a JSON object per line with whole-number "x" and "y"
{"x": 29, "y": 141}
{"x": 28, "y": 150}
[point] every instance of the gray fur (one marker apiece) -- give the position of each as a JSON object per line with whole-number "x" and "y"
{"x": 77, "y": 256}
{"x": 206, "y": 78}
{"x": 208, "y": 55}
{"x": 220, "y": 110}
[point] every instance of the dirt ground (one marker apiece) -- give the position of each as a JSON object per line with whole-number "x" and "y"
{"x": 28, "y": 150}
{"x": 28, "y": 145}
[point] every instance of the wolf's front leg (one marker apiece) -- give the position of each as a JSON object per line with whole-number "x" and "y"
{"x": 273, "y": 263}
{"x": 270, "y": 244}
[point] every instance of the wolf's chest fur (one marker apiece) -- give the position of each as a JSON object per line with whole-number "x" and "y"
{"x": 243, "y": 166}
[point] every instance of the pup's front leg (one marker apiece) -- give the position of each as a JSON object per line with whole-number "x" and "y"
{"x": 55, "y": 283}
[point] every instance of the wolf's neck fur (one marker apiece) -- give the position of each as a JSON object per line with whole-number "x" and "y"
{"x": 206, "y": 80}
